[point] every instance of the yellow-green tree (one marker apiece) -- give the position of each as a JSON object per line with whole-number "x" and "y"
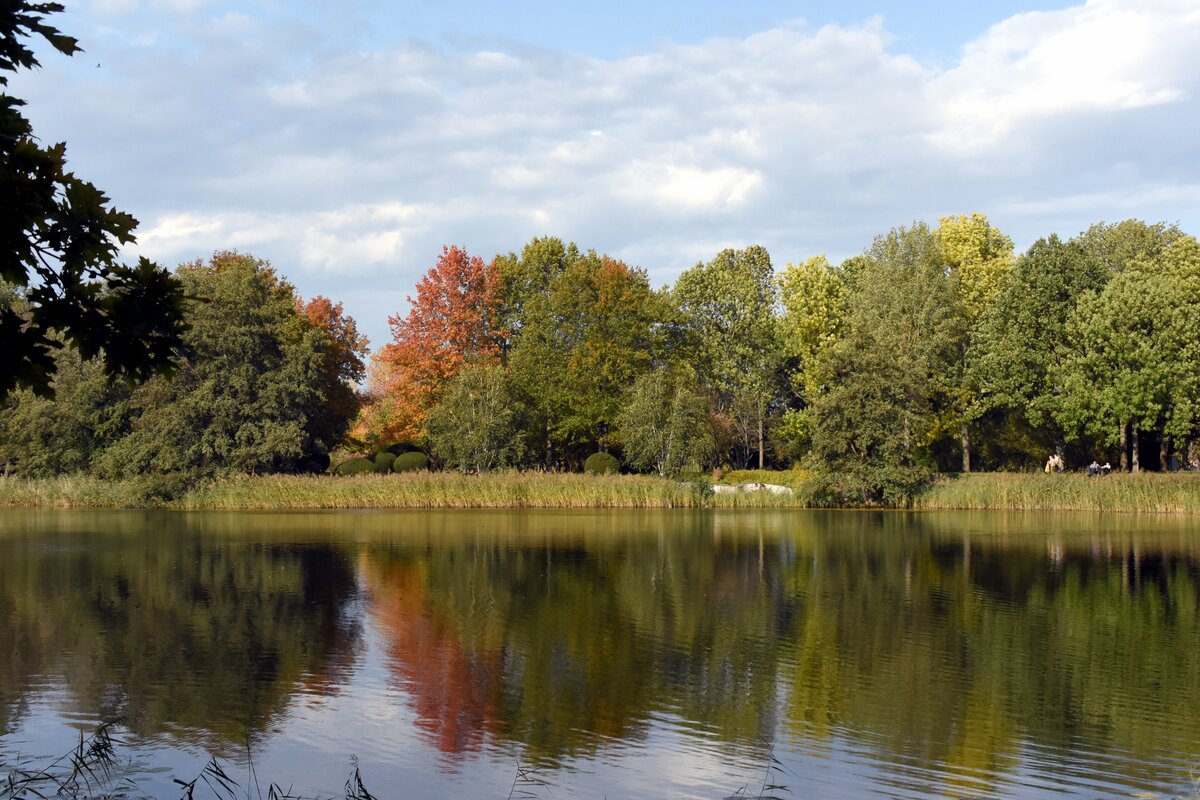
{"x": 979, "y": 258}
{"x": 814, "y": 296}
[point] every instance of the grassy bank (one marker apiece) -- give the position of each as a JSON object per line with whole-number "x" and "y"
{"x": 408, "y": 490}
{"x": 1174, "y": 493}
{"x": 70, "y": 491}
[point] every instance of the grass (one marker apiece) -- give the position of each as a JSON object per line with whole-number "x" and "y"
{"x": 1177, "y": 493}
{"x": 69, "y": 491}
{"x": 454, "y": 490}
{"x": 1154, "y": 492}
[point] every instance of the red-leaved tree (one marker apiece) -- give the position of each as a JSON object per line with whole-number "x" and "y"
{"x": 454, "y": 319}
{"x": 341, "y": 366}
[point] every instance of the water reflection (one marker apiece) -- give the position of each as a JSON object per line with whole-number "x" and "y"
{"x": 156, "y": 625}
{"x": 906, "y": 655}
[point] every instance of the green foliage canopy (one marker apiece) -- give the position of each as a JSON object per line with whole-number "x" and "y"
{"x": 583, "y": 342}
{"x": 478, "y": 425}
{"x": 728, "y": 313}
{"x": 664, "y": 422}
{"x": 874, "y": 420}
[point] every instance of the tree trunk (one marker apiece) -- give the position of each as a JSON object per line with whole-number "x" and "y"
{"x": 1137, "y": 450}
{"x": 1164, "y": 453}
{"x": 761, "y": 440}
{"x": 966, "y": 447}
{"x": 1124, "y": 447}
{"x": 1193, "y": 453}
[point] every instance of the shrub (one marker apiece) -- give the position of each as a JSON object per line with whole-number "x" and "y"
{"x": 410, "y": 462}
{"x": 400, "y": 448}
{"x": 355, "y": 466}
{"x": 601, "y": 464}
{"x": 383, "y": 461}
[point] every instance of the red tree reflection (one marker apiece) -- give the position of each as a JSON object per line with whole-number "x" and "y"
{"x": 451, "y": 690}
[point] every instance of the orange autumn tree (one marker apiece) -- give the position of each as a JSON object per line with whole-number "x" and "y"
{"x": 341, "y": 365}
{"x": 454, "y": 319}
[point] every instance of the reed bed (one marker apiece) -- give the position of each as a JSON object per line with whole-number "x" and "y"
{"x": 69, "y": 491}
{"x": 443, "y": 490}
{"x": 1151, "y": 492}
{"x": 1176, "y": 493}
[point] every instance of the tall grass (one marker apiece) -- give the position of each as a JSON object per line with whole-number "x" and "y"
{"x": 1176, "y": 492}
{"x": 1148, "y": 492}
{"x": 440, "y": 490}
{"x": 455, "y": 490}
{"x": 70, "y": 491}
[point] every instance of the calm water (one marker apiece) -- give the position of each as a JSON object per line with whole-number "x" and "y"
{"x": 621, "y": 654}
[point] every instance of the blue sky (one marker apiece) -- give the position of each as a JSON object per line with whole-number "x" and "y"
{"x": 346, "y": 142}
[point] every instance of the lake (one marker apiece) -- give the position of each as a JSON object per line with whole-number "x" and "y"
{"x": 684, "y": 654}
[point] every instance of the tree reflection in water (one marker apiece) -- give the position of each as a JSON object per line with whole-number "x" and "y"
{"x": 958, "y": 652}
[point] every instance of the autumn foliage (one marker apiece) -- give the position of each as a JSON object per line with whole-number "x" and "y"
{"x": 454, "y": 319}
{"x": 341, "y": 363}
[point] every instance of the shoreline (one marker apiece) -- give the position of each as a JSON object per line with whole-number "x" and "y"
{"x": 1173, "y": 493}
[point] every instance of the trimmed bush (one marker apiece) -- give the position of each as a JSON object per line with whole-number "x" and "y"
{"x": 355, "y": 466}
{"x": 400, "y": 448}
{"x": 383, "y": 461}
{"x": 601, "y": 464}
{"x": 410, "y": 462}
{"x": 322, "y": 461}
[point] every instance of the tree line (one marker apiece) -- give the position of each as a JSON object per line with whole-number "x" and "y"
{"x": 937, "y": 349}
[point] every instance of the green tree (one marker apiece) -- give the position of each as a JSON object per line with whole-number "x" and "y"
{"x": 1135, "y": 358}
{"x": 728, "y": 312}
{"x": 664, "y": 423}
{"x": 1022, "y": 341}
{"x": 342, "y": 354}
{"x": 90, "y": 411}
{"x": 889, "y": 373}
{"x": 530, "y": 275}
{"x": 1117, "y": 245}
{"x": 1022, "y": 337}
{"x": 478, "y": 424}
{"x": 581, "y": 345}
{"x": 60, "y": 241}
{"x": 251, "y": 393}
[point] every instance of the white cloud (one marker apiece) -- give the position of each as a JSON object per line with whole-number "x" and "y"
{"x": 347, "y": 240}
{"x": 670, "y": 189}
{"x": 1107, "y": 56}
{"x": 349, "y": 170}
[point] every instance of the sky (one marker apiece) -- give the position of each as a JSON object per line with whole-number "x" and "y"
{"x": 347, "y": 142}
